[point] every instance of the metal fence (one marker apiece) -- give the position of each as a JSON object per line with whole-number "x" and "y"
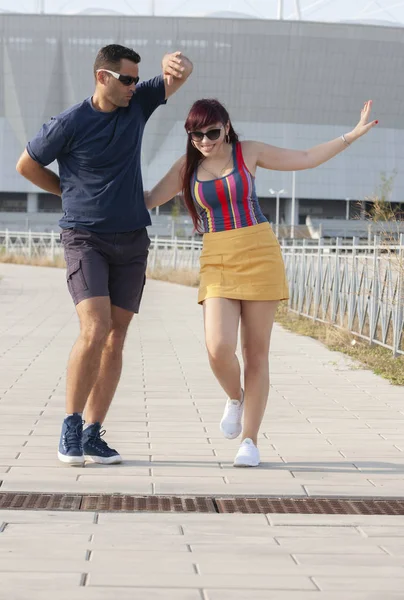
{"x": 30, "y": 244}
{"x": 359, "y": 288}
{"x": 354, "y": 286}
{"x": 174, "y": 253}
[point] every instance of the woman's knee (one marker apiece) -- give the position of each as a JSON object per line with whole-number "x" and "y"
{"x": 220, "y": 351}
{"x": 256, "y": 357}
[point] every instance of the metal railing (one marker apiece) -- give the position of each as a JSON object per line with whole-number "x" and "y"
{"x": 354, "y": 286}
{"x": 31, "y": 244}
{"x": 174, "y": 253}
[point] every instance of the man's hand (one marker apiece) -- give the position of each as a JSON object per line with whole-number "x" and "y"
{"x": 176, "y": 70}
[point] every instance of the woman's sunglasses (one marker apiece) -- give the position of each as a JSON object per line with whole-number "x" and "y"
{"x": 125, "y": 79}
{"x": 212, "y": 134}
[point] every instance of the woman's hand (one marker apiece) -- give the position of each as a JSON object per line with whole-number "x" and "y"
{"x": 364, "y": 124}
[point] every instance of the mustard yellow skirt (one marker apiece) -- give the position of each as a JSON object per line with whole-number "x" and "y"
{"x": 242, "y": 264}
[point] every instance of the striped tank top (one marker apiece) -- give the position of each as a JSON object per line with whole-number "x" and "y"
{"x": 228, "y": 202}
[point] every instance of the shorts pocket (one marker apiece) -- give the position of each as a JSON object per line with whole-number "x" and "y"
{"x": 66, "y": 233}
{"x": 75, "y": 277}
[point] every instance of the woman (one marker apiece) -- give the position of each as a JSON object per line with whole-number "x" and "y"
{"x": 242, "y": 277}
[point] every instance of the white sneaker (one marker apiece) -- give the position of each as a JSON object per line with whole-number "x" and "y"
{"x": 248, "y": 455}
{"x": 230, "y": 425}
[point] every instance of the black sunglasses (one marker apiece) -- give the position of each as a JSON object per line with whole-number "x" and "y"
{"x": 125, "y": 79}
{"x": 212, "y": 134}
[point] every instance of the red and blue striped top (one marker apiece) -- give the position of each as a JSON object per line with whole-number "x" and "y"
{"x": 228, "y": 202}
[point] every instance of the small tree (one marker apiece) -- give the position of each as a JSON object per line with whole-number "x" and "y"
{"x": 175, "y": 212}
{"x": 382, "y": 209}
{"x": 176, "y": 207}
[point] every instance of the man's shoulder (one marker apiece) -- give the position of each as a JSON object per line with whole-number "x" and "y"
{"x": 71, "y": 114}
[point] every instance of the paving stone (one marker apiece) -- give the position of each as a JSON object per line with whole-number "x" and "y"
{"x": 97, "y": 593}
{"x": 352, "y": 584}
{"x": 230, "y": 581}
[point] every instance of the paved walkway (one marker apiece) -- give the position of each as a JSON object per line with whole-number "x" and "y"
{"x": 331, "y": 429}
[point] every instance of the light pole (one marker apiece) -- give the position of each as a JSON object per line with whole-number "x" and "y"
{"x": 347, "y": 209}
{"x": 277, "y": 194}
{"x": 281, "y": 9}
{"x": 293, "y": 220}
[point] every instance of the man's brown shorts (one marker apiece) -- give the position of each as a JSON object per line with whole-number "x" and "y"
{"x": 106, "y": 264}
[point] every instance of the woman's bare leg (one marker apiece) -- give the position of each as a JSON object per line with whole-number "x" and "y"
{"x": 257, "y": 319}
{"x": 221, "y": 317}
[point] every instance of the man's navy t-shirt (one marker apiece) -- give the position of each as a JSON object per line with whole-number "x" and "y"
{"x": 99, "y": 161}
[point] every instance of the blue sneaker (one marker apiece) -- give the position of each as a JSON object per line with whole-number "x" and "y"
{"x": 96, "y": 449}
{"x": 70, "y": 445}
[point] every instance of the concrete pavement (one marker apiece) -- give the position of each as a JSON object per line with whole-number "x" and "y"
{"x": 331, "y": 430}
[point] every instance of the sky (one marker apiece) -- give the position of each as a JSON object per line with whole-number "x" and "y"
{"x": 312, "y": 10}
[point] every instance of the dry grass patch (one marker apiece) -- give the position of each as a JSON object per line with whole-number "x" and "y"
{"x": 36, "y": 261}
{"x": 182, "y": 276}
{"x": 380, "y": 360}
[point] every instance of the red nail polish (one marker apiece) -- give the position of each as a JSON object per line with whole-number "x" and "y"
{"x": 376, "y": 122}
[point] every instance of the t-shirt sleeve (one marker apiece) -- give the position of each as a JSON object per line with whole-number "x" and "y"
{"x": 49, "y": 142}
{"x": 150, "y": 94}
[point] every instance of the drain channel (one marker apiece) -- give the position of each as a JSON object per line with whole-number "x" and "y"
{"x": 200, "y": 504}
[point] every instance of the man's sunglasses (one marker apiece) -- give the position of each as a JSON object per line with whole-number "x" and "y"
{"x": 212, "y": 134}
{"x": 125, "y": 79}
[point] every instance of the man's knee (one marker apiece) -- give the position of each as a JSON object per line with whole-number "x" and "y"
{"x": 120, "y": 322}
{"x": 116, "y": 337}
{"x": 95, "y": 320}
{"x": 95, "y": 332}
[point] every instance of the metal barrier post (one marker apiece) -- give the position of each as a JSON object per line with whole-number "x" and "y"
{"x": 399, "y": 316}
{"x": 374, "y": 295}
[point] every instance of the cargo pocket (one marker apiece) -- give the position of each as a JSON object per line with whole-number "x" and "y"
{"x": 75, "y": 278}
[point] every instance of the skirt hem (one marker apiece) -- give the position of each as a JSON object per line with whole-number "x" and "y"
{"x": 240, "y": 296}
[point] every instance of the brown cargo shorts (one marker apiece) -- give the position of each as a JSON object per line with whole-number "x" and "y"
{"x": 106, "y": 264}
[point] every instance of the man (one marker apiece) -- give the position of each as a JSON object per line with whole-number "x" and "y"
{"x": 97, "y": 144}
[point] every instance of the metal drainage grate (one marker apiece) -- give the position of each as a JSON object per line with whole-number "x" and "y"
{"x": 38, "y": 501}
{"x": 147, "y": 503}
{"x": 200, "y": 504}
{"x": 319, "y": 506}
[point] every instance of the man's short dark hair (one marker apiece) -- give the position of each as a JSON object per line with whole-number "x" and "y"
{"x": 109, "y": 57}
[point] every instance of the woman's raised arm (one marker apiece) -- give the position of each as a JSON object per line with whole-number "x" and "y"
{"x": 282, "y": 159}
{"x": 168, "y": 187}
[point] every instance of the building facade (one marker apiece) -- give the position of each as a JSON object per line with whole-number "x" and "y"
{"x": 288, "y": 83}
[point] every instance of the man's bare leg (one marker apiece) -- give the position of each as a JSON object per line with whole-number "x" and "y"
{"x": 104, "y": 388}
{"x": 85, "y": 358}
{"x": 95, "y": 448}
{"x": 82, "y": 372}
